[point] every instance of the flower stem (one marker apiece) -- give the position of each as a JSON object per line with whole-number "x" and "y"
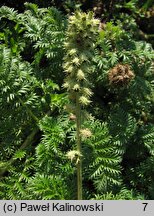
{"x": 79, "y": 164}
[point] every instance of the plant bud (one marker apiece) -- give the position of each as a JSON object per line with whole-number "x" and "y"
{"x": 76, "y": 61}
{"x": 84, "y": 101}
{"x": 87, "y": 92}
{"x": 80, "y": 75}
{"x": 76, "y": 87}
{"x": 74, "y": 155}
{"x": 85, "y": 133}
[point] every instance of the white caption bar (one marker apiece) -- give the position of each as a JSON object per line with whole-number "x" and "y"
{"x": 75, "y": 207}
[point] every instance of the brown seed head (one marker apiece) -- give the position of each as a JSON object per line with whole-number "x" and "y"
{"x": 120, "y": 75}
{"x": 72, "y": 117}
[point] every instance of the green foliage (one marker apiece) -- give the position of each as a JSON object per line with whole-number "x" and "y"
{"x": 47, "y": 187}
{"x": 127, "y": 108}
{"x": 25, "y": 96}
{"x": 38, "y": 35}
{"x": 51, "y": 151}
{"x": 17, "y": 93}
{"x": 124, "y": 194}
{"x": 103, "y": 167}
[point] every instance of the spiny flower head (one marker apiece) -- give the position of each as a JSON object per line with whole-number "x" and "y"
{"x": 87, "y": 92}
{"x": 76, "y": 87}
{"x": 83, "y": 30}
{"x": 80, "y": 75}
{"x": 74, "y": 155}
{"x": 120, "y": 75}
{"x": 76, "y": 61}
{"x": 85, "y": 133}
{"x": 84, "y": 101}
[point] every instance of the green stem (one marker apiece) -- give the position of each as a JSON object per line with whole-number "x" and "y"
{"x": 79, "y": 164}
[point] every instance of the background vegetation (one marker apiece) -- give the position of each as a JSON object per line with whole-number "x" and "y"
{"x": 37, "y": 129}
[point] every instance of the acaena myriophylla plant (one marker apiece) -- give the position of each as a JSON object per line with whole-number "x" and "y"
{"x": 80, "y": 41}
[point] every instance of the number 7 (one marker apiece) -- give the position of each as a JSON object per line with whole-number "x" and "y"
{"x": 145, "y": 206}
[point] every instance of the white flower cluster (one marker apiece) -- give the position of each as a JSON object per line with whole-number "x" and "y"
{"x": 79, "y": 45}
